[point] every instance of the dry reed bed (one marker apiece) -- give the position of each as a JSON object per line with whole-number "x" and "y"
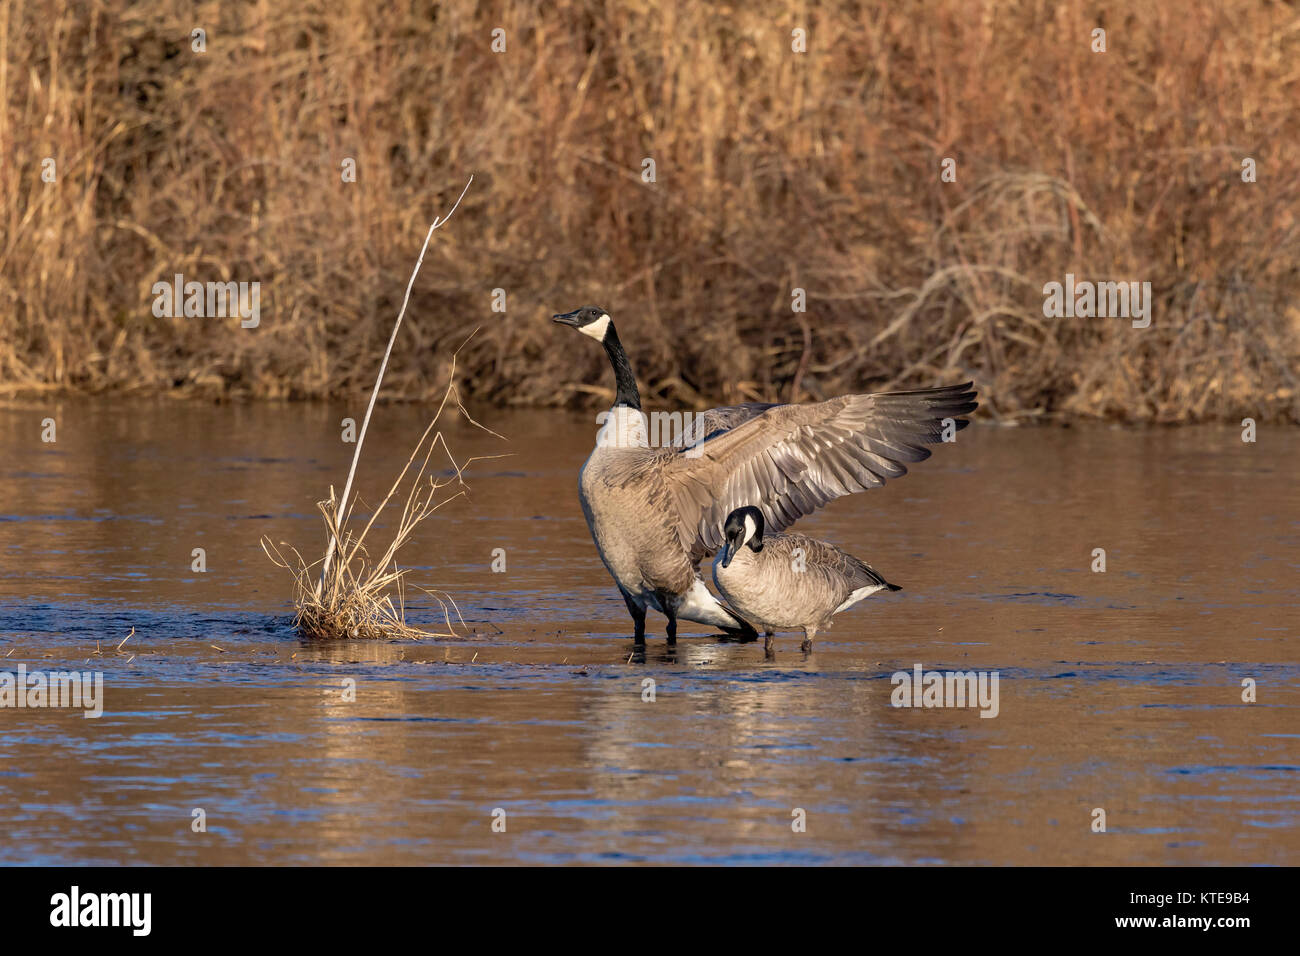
{"x": 775, "y": 170}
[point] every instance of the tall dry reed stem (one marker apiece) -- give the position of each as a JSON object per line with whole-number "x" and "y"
{"x": 355, "y": 597}
{"x": 379, "y": 379}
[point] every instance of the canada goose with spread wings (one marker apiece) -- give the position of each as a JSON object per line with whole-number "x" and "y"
{"x": 656, "y": 512}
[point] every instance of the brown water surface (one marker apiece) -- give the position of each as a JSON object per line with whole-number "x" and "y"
{"x": 1119, "y": 690}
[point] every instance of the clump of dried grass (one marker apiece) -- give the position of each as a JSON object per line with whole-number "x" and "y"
{"x": 349, "y": 594}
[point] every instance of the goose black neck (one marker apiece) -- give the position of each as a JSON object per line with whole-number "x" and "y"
{"x": 623, "y": 375}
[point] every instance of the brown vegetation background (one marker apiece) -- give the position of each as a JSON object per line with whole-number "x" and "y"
{"x": 775, "y": 170}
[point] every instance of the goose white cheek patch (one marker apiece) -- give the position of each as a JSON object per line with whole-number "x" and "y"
{"x": 750, "y": 529}
{"x": 596, "y": 329}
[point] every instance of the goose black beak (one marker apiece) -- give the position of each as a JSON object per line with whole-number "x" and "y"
{"x": 728, "y": 552}
{"x": 568, "y": 318}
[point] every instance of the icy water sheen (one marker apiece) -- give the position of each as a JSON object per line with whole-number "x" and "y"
{"x": 1119, "y": 690}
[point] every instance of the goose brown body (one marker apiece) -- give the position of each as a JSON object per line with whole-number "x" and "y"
{"x": 781, "y": 582}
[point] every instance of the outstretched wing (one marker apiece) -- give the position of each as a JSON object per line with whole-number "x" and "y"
{"x": 790, "y": 460}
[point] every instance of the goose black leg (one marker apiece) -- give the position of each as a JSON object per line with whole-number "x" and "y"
{"x": 808, "y": 634}
{"x": 769, "y": 648}
{"x": 638, "y": 619}
{"x": 671, "y": 629}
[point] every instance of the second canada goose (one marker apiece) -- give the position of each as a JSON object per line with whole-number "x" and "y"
{"x": 655, "y": 512}
{"x": 782, "y": 582}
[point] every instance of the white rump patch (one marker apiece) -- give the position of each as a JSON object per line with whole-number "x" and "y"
{"x": 858, "y": 595}
{"x": 596, "y": 329}
{"x": 699, "y": 605}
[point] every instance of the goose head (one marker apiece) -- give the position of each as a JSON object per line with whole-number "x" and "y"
{"x": 589, "y": 320}
{"x": 744, "y": 526}
{"x": 594, "y": 321}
